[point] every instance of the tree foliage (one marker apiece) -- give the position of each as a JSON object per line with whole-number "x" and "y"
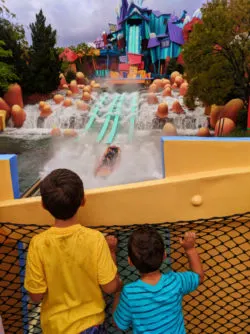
{"x": 13, "y": 36}
{"x": 7, "y": 74}
{"x": 44, "y": 64}
{"x": 216, "y": 56}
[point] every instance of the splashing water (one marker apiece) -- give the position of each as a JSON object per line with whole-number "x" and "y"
{"x": 116, "y": 113}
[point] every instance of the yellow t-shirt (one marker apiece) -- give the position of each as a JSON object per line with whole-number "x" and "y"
{"x": 69, "y": 265}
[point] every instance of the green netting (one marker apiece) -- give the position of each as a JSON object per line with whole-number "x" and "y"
{"x": 220, "y": 305}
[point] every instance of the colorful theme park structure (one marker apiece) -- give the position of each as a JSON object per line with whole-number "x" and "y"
{"x": 139, "y": 46}
{"x": 142, "y": 42}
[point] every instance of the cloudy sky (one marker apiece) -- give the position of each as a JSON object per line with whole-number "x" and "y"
{"x": 77, "y": 21}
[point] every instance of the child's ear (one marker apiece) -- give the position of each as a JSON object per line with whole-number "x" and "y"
{"x": 83, "y": 201}
{"x": 130, "y": 262}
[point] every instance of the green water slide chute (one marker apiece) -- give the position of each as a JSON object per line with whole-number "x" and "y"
{"x": 116, "y": 119}
{"x": 111, "y": 110}
{"x": 95, "y": 111}
{"x": 134, "y": 107}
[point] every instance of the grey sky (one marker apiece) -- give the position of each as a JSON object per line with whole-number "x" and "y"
{"x": 77, "y": 21}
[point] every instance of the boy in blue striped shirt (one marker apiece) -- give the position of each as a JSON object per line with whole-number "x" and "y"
{"x": 153, "y": 304}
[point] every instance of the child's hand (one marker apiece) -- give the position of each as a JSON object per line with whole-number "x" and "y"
{"x": 189, "y": 240}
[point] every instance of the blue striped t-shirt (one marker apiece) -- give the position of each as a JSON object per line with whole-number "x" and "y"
{"x": 155, "y": 308}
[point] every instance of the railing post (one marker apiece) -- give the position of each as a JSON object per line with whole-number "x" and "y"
{"x": 9, "y": 183}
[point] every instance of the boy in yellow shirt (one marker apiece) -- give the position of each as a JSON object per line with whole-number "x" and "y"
{"x": 68, "y": 266}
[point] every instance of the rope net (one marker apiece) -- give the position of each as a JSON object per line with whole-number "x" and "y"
{"x": 220, "y": 305}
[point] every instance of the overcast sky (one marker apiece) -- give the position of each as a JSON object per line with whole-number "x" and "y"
{"x": 79, "y": 21}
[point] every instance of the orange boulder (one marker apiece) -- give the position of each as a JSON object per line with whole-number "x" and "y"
{"x": 224, "y": 126}
{"x": 87, "y": 89}
{"x": 69, "y": 133}
{"x": 179, "y": 80}
{"x": 6, "y": 107}
{"x": 162, "y": 111}
{"x": 14, "y": 96}
{"x": 177, "y": 108}
{"x": 67, "y": 103}
{"x": 165, "y": 82}
{"x": 158, "y": 83}
{"x": 86, "y": 96}
{"x": 46, "y": 111}
{"x": 173, "y": 76}
{"x": 69, "y": 93}
{"x": 168, "y": 85}
{"x": 55, "y": 132}
{"x": 203, "y": 132}
{"x": 215, "y": 114}
{"x": 73, "y": 87}
{"x": 152, "y": 88}
{"x": 80, "y": 78}
{"x": 183, "y": 88}
{"x": 232, "y": 108}
{"x": 18, "y": 116}
{"x": 169, "y": 130}
{"x": 152, "y": 99}
{"x": 82, "y": 106}
{"x": 62, "y": 81}
{"x": 41, "y": 105}
{"x": 58, "y": 98}
{"x": 167, "y": 92}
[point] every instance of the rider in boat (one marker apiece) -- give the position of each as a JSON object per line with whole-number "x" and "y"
{"x": 112, "y": 152}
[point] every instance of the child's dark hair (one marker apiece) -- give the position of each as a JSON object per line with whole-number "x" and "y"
{"x": 62, "y": 193}
{"x": 146, "y": 249}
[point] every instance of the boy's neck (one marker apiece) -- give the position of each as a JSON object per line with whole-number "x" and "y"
{"x": 151, "y": 278}
{"x": 66, "y": 223}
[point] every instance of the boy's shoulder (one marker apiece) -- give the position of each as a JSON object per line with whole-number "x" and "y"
{"x": 88, "y": 233}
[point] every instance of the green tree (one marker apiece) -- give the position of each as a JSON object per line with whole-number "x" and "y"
{"x": 217, "y": 53}
{"x": 44, "y": 65}
{"x": 7, "y": 74}
{"x": 174, "y": 66}
{"x": 13, "y": 36}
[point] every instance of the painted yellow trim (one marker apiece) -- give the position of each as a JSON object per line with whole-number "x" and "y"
{"x": 6, "y": 190}
{"x": 2, "y": 120}
{"x": 224, "y": 192}
{"x": 184, "y": 157}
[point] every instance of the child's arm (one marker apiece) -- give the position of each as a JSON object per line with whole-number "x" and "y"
{"x": 35, "y": 282}
{"x": 188, "y": 243}
{"x": 116, "y": 284}
{"x": 107, "y": 267}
